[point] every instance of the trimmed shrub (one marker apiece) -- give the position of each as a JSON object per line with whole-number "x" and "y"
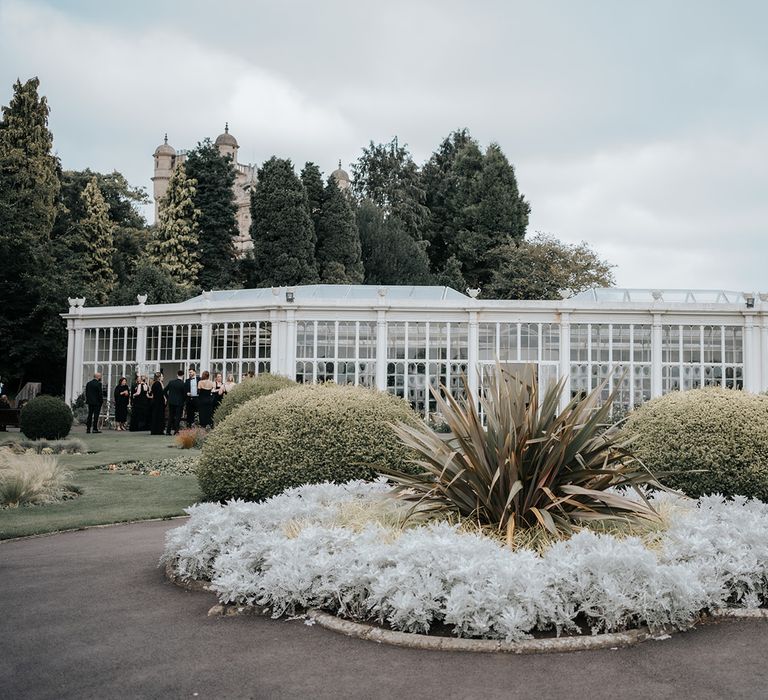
{"x": 304, "y": 435}
{"x": 46, "y": 417}
{"x": 263, "y": 385}
{"x": 722, "y": 431}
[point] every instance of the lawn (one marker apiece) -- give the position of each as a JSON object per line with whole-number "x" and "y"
{"x": 107, "y": 497}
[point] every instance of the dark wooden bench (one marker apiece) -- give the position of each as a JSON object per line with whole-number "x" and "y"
{"x": 9, "y": 416}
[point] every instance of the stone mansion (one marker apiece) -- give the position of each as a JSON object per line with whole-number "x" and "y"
{"x": 167, "y": 158}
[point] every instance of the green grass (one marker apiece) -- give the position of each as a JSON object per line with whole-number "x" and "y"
{"x": 107, "y": 497}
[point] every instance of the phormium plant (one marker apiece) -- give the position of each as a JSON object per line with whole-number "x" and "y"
{"x": 531, "y": 464}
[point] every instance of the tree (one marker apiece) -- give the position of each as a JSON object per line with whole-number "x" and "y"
{"x": 339, "y": 257}
{"x": 30, "y": 331}
{"x": 387, "y": 176}
{"x": 174, "y": 245}
{"x": 312, "y": 179}
{"x": 542, "y": 266}
{"x": 281, "y": 228}
{"x": 95, "y": 232}
{"x": 215, "y": 199}
{"x": 390, "y": 254}
{"x": 451, "y": 275}
{"x": 157, "y": 284}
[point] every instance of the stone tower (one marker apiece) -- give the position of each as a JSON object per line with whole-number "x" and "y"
{"x": 165, "y": 162}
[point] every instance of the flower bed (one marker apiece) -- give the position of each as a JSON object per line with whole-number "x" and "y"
{"x": 342, "y": 548}
{"x": 177, "y": 466}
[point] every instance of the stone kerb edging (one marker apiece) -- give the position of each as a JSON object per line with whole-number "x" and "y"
{"x": 372, "y": 633}
{"x": 743, "y": 613}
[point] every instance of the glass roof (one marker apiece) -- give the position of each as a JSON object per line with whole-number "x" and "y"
{"x": 333, "y": 292}
{"x": 674, "y": 296}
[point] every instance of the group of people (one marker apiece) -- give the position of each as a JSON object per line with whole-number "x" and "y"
{"x": 185, "y": 399}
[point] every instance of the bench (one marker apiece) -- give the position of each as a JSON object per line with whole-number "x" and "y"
{"x": 9, "y": 416}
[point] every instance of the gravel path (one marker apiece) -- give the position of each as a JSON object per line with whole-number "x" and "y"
{"x": 89, "y": 615}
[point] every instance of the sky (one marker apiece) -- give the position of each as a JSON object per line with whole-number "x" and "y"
{"x": 640, "y": 128}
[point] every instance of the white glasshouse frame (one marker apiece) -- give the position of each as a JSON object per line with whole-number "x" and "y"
{"x": 281, "y": 310}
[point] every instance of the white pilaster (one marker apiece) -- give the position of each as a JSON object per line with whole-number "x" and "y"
{"x": 77, "y": 384}
{"x": 751, "y": 366}
{"x": 656, "y": 386}
{"x": 565, "y": 358}
{"x": 473, "y": 368}
{"x": 205, "y": 343}
{"x": 381, "y": 350}
{"x": 69, "y": 386}
{"x": 289, "y": 349}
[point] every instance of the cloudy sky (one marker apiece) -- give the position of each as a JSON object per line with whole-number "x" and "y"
{"x": 641, "y": 128}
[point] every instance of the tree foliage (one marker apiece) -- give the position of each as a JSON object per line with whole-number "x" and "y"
{"x": 30, "y": 331}
{"x": 174, "y": 245}
{"x": 386, "y": 175}
{"x": 542, "y": 266}
{"x": 96, "y": 235}
{"x": 157, "y": 284}
{"x": 390, "y": 254}
{"x": 312, "y": 179}
{"x": 215, "y": 199}
{"x": 339, "y": 256}
{"x": 281, "y": 228}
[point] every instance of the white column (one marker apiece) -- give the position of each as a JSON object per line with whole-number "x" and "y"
{"x": 764, "y": 354}
{"x": 565, "y": 358}
{"x": 69, "y": 384}
{"x": 141, "y": 343}
{"x": 656, "y": 356}
{"x": 381, "y": 350}
{"x": 289, "y": 349}
{"x": 77, "y": 384}
{"x": 274, "y": 350}
{"x": 205, "y": 343}
{"x": 473, "y": 367}
{"x": 751, "y": 366}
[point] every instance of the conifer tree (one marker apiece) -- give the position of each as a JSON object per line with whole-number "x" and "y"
{"x": 215, "y": 199}
{"x": 339, "y": 257}
{"x": 281, "y": 228}
{"x": 174, "y": 246}
{"x": 312, "y": 180}
{"x": 30, "y": 330}
{"x": 96, "y": 235}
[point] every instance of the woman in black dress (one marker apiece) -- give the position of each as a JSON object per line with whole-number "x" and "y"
{"x": 219, "y": 390}
{"x": 157, "y": 396}
{"x": 140, "y": 399}
{"x": 122, "y": 395}
{"x": 205, "y": 399}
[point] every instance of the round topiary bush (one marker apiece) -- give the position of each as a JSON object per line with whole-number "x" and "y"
{"x": 303, "y": 435}
{"x": 722, "y": 431}
{"x": 46, "y": 417}
{"x": 263, "y": 385}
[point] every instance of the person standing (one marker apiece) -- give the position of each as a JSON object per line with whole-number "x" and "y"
{"x": 176, "y": 395}
{"x": 205, "y": 399}
{"x": 139, "y": 417}
{"x": 191, "y": 390}
{"x": 122, "y": 395}
{"x": 94, "y": 397}
{"x": 219, "y": 391}
{"x": 157, "y": 395}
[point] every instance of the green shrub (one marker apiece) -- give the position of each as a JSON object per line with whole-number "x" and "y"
{"x": 304, "y": 435}
{"x": 263, "y": 385}
{"x": 46, "y": 417}
{"x": 722, "y": 431}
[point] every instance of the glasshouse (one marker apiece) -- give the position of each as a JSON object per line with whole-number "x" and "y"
{"x": 404, "y": 339}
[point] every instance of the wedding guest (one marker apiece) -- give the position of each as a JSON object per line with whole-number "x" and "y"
{"x": 191, "y": 390}
{"x": 94, "y": 397}
{"x": 205, "y": 399}
{"x": 122, "y": 394}
{"x": 176, "y": 395}
{"x": 219, "y": 391}
{"x": 140, "y": 398}
{"x": 230, "y": 383}
{"x": 157, "y": 395}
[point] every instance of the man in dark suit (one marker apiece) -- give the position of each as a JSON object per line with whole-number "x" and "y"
{"x": 94, "y": 397}
{"x": 190, "y": 388}
{"x": 176, "y": 393}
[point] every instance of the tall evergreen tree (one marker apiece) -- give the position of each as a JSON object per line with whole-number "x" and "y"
{"x": 30, "y": 331}
{"x": 387, "y": 176}
{"x": 312, "y": 179}
{"x": 174, "y": 246}
{"x": 390, "y": 254}
{"x": 339, "y": 257}
{"x": 215, "y": 199}
{"x": 96, "y": 234}
{"x": 281, "y": 228}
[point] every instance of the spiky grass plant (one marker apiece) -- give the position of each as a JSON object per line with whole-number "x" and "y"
{"x": 31, "y": 479}
{"x": 530, "y": 465}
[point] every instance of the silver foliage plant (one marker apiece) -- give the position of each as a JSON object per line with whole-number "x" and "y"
{"x": 290, "y": 553}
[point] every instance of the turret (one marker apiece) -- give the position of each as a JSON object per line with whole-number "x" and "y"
{"x": 341, "y": 178}
{"x": 165, "y": 160}
{"x": 227, "y": 144}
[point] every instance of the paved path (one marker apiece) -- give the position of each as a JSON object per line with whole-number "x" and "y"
{"x": 89, "y": 615}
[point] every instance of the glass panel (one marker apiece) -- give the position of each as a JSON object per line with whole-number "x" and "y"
{"x": 529, "y": 342}
{"x": 347, "y": 332}
{"x": 579, "y": 340}
{"x": 367, "y": 333}
{"x": 417, "y": 340}
{"x": 459, "y": 341}
{"x": 326, "y": 339}
{"x": 486, "y": 341}
{"x": 233, "y": 340}
{"x": 550, "y": 338}
{"x": 641, "y": 343}
{"x": 396, "y": 341}
{"x": 508, "y": 342}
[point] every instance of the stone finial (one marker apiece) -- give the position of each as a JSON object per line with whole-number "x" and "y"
{"x": 474, "y": 293}
{"x": 165, "y": 140}
{"x": 657, "y": 294}
{"x": 142, "y": 299}
{"x": 226, "y": 127}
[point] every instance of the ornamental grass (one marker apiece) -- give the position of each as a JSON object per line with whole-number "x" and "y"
{"x": 531, "y": 465}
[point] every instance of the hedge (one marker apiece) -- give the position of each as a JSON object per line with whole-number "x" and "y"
{"x": 263, "y": 385}
{"x": 46, "y": 417}
{"x": 301, "y": 435}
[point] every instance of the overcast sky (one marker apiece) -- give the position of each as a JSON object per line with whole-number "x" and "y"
{"x": 641, "y": 128}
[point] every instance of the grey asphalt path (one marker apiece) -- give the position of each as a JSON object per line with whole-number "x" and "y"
{"x": 89, "y": 615}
